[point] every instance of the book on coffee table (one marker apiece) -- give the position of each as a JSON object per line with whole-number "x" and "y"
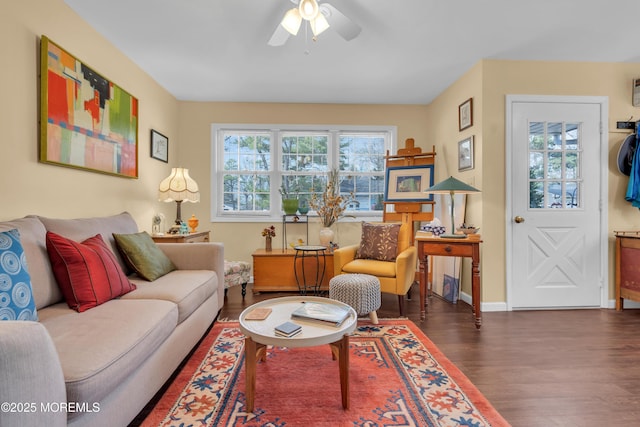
{"x": 327, "y": 313}
{"x": 259, "y": 313}
{"x": 288, "y": 329}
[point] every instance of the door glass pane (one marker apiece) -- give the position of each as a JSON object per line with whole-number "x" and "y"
{"x": 536, "y": 165}
{"x": 554, "y": 165}
{"x": 536, "y": 136}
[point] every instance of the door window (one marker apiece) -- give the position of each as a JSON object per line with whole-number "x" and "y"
{"x": 554, "y": 165}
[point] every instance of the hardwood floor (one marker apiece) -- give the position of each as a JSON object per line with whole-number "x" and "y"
{"x": 537, "y": 368}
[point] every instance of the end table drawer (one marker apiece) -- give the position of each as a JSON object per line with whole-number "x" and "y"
{"x": 449, "y": 249}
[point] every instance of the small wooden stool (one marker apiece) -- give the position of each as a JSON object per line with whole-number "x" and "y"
{"x": 360, "y": 291}
{"x": 236, "y": 273}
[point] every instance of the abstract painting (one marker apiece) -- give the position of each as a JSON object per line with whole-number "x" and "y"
{"x": 86, "y": 121}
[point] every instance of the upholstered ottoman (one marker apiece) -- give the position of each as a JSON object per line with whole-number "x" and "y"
{"x": 360, "y": 291}
{"x": 236, "y": 273}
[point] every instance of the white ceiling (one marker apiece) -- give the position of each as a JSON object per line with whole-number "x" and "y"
{"x": 408, "y": 52}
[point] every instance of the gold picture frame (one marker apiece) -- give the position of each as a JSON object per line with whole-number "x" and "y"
{"x": 86, "y": 121}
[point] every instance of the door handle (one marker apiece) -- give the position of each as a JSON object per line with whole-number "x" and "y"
{"x": 518, "y": 219}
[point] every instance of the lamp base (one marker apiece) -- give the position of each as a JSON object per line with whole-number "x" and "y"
{"x": 453, "y": 236}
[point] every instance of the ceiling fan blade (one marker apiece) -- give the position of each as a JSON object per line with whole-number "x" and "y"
{"x": 348, "y": 29}
{"x": 279, "y": 37}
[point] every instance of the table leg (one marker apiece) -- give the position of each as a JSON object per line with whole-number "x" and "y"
{"x": 475, "y": 291}
{"x": 341, "y": 348}
{"x": 253, "y": 351}
{"x": 424, "y": 267}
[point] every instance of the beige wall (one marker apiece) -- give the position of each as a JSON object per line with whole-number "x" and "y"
{"x": 29, "y": 187}
{"x": 442, "y": 116}
{"x": 500, "y": 78}
{"x": 196, "y": 118}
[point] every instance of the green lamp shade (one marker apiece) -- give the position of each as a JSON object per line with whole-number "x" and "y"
{"x": 451, "y": 185}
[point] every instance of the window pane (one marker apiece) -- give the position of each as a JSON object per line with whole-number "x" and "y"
{"x": 249, "y": 167}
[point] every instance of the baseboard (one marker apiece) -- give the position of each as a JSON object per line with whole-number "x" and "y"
{"x": 485, "y": 306}
{"x": 627, "y": 304}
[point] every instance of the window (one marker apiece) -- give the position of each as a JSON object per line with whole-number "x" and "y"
{"x": 252, "y": 162}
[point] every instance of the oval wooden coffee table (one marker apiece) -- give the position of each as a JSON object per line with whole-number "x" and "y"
{"x": 260, "y": 333}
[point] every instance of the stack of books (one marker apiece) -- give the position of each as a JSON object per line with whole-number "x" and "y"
{"x": 288, "y": 329}
{"x": 326, "y": 313}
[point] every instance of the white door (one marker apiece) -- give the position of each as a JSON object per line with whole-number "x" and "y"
{"x": 556, "y": 249}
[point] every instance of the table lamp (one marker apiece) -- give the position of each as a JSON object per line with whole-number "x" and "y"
{"x": 178, "y": 187}
{"x": 451, "y": 186}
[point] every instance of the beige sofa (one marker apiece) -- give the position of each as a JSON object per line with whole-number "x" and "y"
{"x": 102, "y": 366}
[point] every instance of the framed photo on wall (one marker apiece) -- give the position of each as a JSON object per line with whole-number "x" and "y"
{"x": 407, "y": 183}
{"x": 159, "y": 146}
{"x": 465, "y": 154}
{"x": 465, "y": 114}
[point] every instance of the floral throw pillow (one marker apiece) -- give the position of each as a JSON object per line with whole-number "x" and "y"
{"x": 379, "y": 242}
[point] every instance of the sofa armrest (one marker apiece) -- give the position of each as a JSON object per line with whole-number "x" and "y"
{"x": 31, "y": 376}
{"x": 197, "y": 256}
{"x": 343, "y": 256}
{"x": 406, "y": 264}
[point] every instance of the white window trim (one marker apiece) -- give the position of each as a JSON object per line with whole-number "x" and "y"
{"x": 218, "y": 166}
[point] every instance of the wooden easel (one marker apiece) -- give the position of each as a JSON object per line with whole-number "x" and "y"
{"x": 410, "y": 212}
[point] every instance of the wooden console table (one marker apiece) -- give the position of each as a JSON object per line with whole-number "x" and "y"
{"x": 439, "y": 246}
{"x": 275, "y": 271}
{"x": 198, "y": 236}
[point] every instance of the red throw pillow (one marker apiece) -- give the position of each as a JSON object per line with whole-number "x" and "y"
{"x": 88, "y": 273}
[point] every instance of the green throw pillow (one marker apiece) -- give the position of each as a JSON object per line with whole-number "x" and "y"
{"x": 143, "y": 255}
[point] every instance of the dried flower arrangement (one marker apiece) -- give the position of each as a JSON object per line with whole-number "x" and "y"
{"x": 330, "y": 205}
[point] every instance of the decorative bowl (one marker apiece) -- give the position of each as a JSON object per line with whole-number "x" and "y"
{"x": 468, "y": 230}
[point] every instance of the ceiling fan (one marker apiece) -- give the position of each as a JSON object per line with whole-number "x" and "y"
{"x": 320, "y": 17}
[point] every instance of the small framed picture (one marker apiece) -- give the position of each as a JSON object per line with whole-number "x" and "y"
{"x": 465, "y": 154}
{"x": 407, "y": 183}
{"x": 159, "y": 146}
{"x": 465, "y": 114}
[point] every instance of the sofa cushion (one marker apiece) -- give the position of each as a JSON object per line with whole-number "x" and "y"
{"x": 88, "y": 272}
{"x": 100, "y": 348}
{"x": 32, "y": 238}
{"x": 379, "y": 242}
{"x": 142, "y": 254}
{"x": 80, "y": 229}
{"x": 186, "y": 288}
{"x": 16, "y": 296}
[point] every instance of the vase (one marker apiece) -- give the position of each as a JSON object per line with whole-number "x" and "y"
{"x": 326, "y": 236}
{"x": 290, "y": 206}
{"x": 193, "y": 223}
{"x": 267, "y": 244}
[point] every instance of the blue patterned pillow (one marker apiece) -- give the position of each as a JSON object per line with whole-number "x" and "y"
{"x": 16, "y": 296}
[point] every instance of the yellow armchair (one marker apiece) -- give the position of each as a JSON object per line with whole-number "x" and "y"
{"x": 396, "y": 277}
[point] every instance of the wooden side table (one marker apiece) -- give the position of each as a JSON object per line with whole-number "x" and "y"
{"x": 198, "y": 236}
{"x": 440, "y": 246}
{"x": 627, "y": 275}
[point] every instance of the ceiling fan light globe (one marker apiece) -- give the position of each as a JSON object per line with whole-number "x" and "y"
{"x": 319, "y": 25}
{"x": 308, "y": 9}
{"x": 291, "y": 21}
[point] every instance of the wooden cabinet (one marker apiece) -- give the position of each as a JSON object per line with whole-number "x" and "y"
{"x": 627, "y": 267}
{"x": 274, "y": 271}
{"x": 198, "y": 236}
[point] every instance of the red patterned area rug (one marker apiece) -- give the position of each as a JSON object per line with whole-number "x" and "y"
{"x": 398, "y": 377}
